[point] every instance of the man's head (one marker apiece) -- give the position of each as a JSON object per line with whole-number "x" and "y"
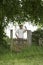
{"x": 21, "y": 26}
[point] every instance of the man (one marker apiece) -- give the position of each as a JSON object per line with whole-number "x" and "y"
{"x": 20, "y": 35}
{"x": 20, "y": 32}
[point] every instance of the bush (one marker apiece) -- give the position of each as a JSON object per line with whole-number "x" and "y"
{"x": 36, "y": 35}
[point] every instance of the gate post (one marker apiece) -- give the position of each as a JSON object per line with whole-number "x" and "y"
{"x": 11, "y": 36}
{"x": 29, "y": 37}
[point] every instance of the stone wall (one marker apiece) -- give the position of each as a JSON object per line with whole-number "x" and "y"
{"x": 18, "y": 44}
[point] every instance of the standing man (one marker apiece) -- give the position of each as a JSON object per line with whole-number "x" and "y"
{"x": 20, "y": 32}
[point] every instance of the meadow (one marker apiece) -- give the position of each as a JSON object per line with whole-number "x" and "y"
{"x": 28, "y": 56}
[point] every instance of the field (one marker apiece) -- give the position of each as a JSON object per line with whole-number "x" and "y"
{"x": 29, "y": 56}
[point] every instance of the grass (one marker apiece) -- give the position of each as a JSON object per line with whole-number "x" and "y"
{"x": 29, "y": 56}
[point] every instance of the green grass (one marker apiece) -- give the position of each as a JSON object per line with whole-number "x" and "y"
{"x": 29, "y": 56}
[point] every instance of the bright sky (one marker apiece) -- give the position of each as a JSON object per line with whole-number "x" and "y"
{"x": 11, "y": 26}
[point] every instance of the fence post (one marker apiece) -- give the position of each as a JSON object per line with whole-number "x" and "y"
{"x": 29, "y": 37}
{"x": 11, "y": 36}
{"x": 40, "y": 42}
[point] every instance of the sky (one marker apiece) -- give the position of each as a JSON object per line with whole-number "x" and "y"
{"x": 14, "y": 28}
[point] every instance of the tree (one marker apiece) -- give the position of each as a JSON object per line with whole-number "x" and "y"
{"x": 8, "y": 9}
{"x": 20, "y": 11}
{"x": 33, "y": 8}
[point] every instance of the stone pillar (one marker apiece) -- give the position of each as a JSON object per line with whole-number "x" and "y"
{"x": 29, "y": 37}
{"x": 11, "y": 36}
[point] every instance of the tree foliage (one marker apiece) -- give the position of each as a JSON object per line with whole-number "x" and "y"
{"x": 34, "y": 8}
{"x": 20, "y": 11}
